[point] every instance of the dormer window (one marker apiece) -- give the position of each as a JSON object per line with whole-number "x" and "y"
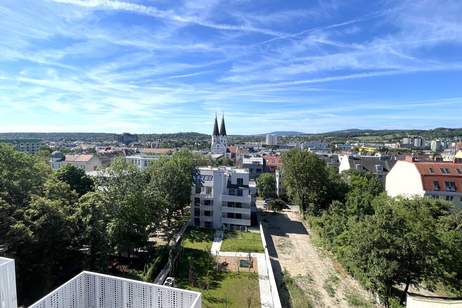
{"x": 431, "y": 170}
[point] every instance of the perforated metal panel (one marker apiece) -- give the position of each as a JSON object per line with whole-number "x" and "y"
{"x": 7, "y": 284}
{"x": 92, "y": 290}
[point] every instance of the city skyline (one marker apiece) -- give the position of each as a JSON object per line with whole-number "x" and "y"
{"x": 154, "y": 67}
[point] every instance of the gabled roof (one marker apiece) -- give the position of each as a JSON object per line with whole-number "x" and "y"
{"x": 368, "y": 163}
{"x": 79, "y": 158}
{"x": 438, "y": 174}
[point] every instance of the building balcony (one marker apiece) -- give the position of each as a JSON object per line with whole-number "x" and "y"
{"x": 241, "y": 199}
{"x": 234, "y": 221}
{"x": 91, "y": 290}
{"x": 239, "y": 210}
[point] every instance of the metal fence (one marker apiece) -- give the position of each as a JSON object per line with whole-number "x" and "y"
{"x": 92, "y": 290}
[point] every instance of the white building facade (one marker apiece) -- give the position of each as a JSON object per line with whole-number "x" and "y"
{"x": 141, "y": 161}
{"x": 7, "y": 284}
{"x": 223, "y": 198}
{"x": 271, "y": 139}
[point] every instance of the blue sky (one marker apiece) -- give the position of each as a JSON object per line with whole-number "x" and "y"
{"x": 159, "y": 66}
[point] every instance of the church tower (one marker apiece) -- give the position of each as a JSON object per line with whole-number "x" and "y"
{"x": 219, "y": 137}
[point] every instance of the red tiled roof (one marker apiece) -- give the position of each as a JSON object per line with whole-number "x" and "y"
{"x": 439, "y": 174}
{"x": 273, "y": 160}
{"x": 78, "y": 157}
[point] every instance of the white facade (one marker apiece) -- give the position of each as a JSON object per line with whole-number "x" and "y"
{"x": 222, "y": 198}
{"x": 416, "y": 301}
{"x": 271, "y": 139}
{"x": 141, "y": 161}
{"x": 7, "y": 284}
{"x": 404, "y": 180}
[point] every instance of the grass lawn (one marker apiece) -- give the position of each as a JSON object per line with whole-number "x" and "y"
{"x": 242, "y": 241}
{"x": 197, "y": 238}
{"x": 196, "y": 270}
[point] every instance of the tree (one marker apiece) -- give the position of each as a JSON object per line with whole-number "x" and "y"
{"x": 305, "y": 179}
{"x": 276, "y": 205}
{"x": 398, "y": 245}
{"x": 170, "y": 184}
{"x": 129, "y": 208}
{"x": 92, "y": 215}
{"x": 266, "y": 185}
{"x": 76, "y": 178}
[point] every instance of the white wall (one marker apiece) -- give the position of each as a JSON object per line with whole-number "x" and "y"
{"x": 404, "y": 180}
{"x": 7, "y": 284}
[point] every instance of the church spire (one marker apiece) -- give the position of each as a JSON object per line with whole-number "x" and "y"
{"x": 215, "y": 127}
{"x": 223, "y": 128}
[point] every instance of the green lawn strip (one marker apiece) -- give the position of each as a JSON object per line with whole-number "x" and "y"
{"x": 242, "y": 242}
{"x": 197, "y": 238}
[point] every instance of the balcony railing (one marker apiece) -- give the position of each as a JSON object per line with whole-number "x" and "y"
{"x": 92, "y": 290}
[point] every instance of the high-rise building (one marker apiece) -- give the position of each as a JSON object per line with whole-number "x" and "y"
{"x": 271, "y": 139}
{"x": 127, "y": 138}
{"x": 436, "y": 145}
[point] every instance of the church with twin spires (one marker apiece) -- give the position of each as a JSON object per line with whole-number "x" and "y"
{"x": 219, "y": 138}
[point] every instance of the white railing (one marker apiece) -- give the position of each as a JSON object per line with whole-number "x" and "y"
{"x": 93, "y": 290}
{"x": 7, "y": 284}
{"x": 273, "y": 286}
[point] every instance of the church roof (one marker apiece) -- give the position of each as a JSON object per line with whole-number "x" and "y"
{"x": 215, "y": 128}
{"x": 223, "y": 128}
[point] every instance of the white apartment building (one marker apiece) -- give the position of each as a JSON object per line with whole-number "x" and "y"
{"x": 271, "y": 139}
{"x": 255, "y": 164}
{"x": 223, "y": 198}
{"x": 141, "y": 161}
{"x": 31, "y": 146}
{"x": 441, "y": 180}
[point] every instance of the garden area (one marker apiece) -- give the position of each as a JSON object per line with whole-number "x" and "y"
{"x": 242, "y": 242}
{"x": 198, "y": 270}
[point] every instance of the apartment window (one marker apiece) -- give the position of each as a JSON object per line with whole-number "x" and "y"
{"x": 208, "y": 190}
{"x": 450, "y": 186}
{"x": 240, "y": 182}
{"x": 232, "y": 191}
{"x": 238, "y": 216}
{"x": 239, "y": 192}
{"x": 197, "y": 212}
{"x": 458, "y": 171}
{"x": 207, "y": 213}
{"x": 230, "y": 204}
{"x": 431, "y": 170}
{"x": 208, "y": 202}
{"x": 197, "y": 201}
{"x": 197, "y": 222}
{"x": 436, "y": 185}
{"x": 445, "y": 170}
{"x": 238, "y": 205}
{"x": 207, "y": 224}
{"x": 198, "y": 188}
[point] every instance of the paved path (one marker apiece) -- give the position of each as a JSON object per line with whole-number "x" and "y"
{"x": 217, "y": 240}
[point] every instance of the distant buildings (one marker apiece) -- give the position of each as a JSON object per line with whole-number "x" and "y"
{"x": 141, "y": 161}
{"x": 219, "y": 138}
{"x": 31, "y": 146}
{"x": 87, "y": 162}
{"x": 255, "y": 165}
{"x": 127, "y": 138}
{"x": 436, "y": 146}
{"x": 271, "y": 139}
{"x": 272, "y": 162}
{"x": 223, "y": 198}
{"x": 378, "y": 165}
{"x": 426, "y": 178}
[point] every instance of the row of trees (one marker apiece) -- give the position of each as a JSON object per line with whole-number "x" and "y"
{"x": 54, "y": 224}
{"x": 388, "y": 244}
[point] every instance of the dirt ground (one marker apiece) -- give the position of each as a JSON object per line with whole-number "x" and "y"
{"x": 233, "y": 264}
{"x": 292, "y": 249}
